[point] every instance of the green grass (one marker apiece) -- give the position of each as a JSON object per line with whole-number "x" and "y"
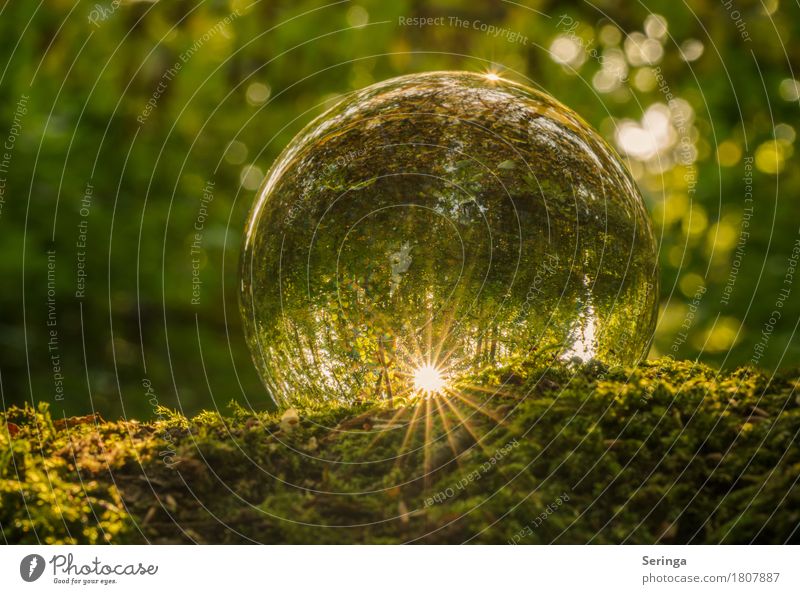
{"x": 669, "y": 452}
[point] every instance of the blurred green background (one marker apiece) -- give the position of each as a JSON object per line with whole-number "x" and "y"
{"x": 109, "y": 147}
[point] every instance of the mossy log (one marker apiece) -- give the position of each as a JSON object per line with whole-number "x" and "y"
{"x": 669, "y": 452}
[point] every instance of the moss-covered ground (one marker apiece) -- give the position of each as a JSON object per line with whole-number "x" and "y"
{"x": 669, "y": 452}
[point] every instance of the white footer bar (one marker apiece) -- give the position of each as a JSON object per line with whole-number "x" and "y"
{"x": 388, "y": 570}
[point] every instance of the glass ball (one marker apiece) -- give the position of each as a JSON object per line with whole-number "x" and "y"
{"x": 432, "y": 226}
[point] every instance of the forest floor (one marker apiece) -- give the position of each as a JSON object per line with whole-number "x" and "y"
{"x": 668, "y": 452}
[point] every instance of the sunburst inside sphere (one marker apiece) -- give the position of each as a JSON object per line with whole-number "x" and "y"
{"x": 448, "y": 217}
{"x": 428, "y": 380}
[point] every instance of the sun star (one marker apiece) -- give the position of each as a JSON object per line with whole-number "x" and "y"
{"x": 428, "y": 379}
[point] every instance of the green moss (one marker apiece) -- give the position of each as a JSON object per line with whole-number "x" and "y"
{"x": 668, "y": 452}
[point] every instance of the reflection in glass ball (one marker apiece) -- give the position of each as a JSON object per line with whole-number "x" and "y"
{"x": 437, "y": 224}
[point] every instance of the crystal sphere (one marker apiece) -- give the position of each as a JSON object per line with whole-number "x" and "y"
{"x": 437, "y": 224}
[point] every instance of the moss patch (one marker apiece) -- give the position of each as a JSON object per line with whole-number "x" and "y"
{"x": 668, "y": 452}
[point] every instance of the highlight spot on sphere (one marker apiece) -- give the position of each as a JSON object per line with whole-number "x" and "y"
{"x": 428, "y": 379}
{"x": 448, "y": 217}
